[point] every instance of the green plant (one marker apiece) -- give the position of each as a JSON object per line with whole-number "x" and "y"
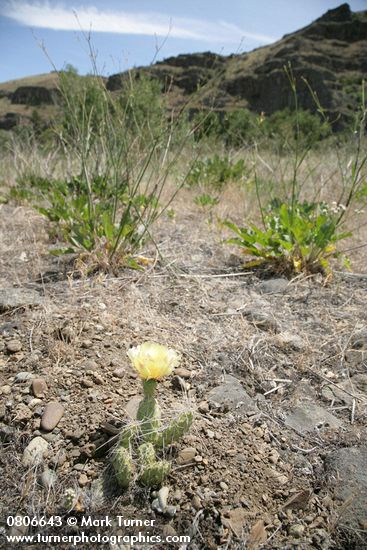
{"x": 206, "y": 201}
{"x": 295, "y": 238}
{"x": 138, "y": 444}
{"x": 117, "y": 152}
{"x": 216, "y": 171}
{"x": 298, "y": 234}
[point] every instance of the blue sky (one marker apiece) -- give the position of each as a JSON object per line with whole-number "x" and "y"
{"x": 128, "y": 33}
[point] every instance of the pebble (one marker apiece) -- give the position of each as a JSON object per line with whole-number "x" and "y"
{"x": 5, "y": 390}
{"x": 159, "y": 504}
{"x": 97, "y": 378}
{"x": 87, "y": 383}
{"x": 274, "y": 286}
{"x": 83, "y": 480}
{"x": 39, "y": 387}
{"x": 51, "y": 416}
{"x": 196, "y": 502}
{"x": 34, "y": 452}
{"x": 203, "y": 407}
{"x": 274, "y": 456}
{"x": 210, "y": 434}
{"x": 89, "y": 364}
{"x": 232, "y": 394}
{"x": 119, "y": 373}
{"x": 187, "y": 455}
{"x": 183, "y": 373}
{"x": 86, "y": 344}
{"x": 13, "y": 346}
{"x": 223, "y": 485}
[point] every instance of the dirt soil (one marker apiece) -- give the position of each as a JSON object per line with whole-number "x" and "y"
{"x": 274, "y": 370}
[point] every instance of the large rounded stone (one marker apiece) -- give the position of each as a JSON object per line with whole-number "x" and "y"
{"x": 51, "y": 416}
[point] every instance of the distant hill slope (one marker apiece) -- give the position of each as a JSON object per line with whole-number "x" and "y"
{"x": 331, "y": 53}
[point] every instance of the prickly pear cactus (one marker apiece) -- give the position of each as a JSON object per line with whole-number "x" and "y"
{"x": 149, "y": 438}
{"x": 123, "y": 466}
{"x": 149, "y": 413}
{"x": 176, "y": 429}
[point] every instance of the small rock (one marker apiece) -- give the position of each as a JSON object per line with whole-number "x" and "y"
{"x": 86, "y": 344}
{"x": 296, "y": 530}
{"x": 34, "y": 452}
{"x": 23, "y": 376}
{"x": 119, "y": 373}
{"x": 347, "y": 480}
{"x": 182, "y": 373}
{"x": 196, "y": 503}
{"x": 287, "y": 339}
{"x": 39, "y": 387}
{"x": 210, "y": 434}
{"x": 305, "y": 417}
{"x": 203, "y": 407}
{"x": 97, "y": 378}
{"x": 86, "y": 383}
{"x": 232, "y": 394}
{"x": 187, "y": 455}
{"x": 51, "y": 416}
{"x": 13, "y": 346}
{"x": 159, "y": 504}
{"x": 223, "y": 485}
{"x": 83, "y": 480}
{"x": 274, "y": 286}
{"x": 274, "y": 456}
{"x": 177, "y": 495}
{"x": 170, "y": 511}
{"x": 75, "y": 436}
{"x": 5, "y": 390}
{"x": 14, "y": 298}
{"x": 89, "y": 364}
{"x": 261, "y": 319}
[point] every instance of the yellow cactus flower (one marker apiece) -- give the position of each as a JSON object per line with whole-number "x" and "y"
{"x": 153, "y": 361}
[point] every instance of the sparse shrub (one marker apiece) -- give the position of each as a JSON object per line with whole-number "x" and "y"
{"x": 216, "y": 171}
{"x": 290, "y": 126}
{"x": 206, "y": 201}
{"x": 300, "y": 235}
{"x": 117, "y": 148}
{"x": 234, "y": 128}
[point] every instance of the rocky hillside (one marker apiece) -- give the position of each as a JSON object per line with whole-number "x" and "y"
{"x": 331, "y": 53}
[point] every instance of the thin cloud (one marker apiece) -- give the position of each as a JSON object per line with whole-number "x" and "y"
{"x": 86, "y": 18}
